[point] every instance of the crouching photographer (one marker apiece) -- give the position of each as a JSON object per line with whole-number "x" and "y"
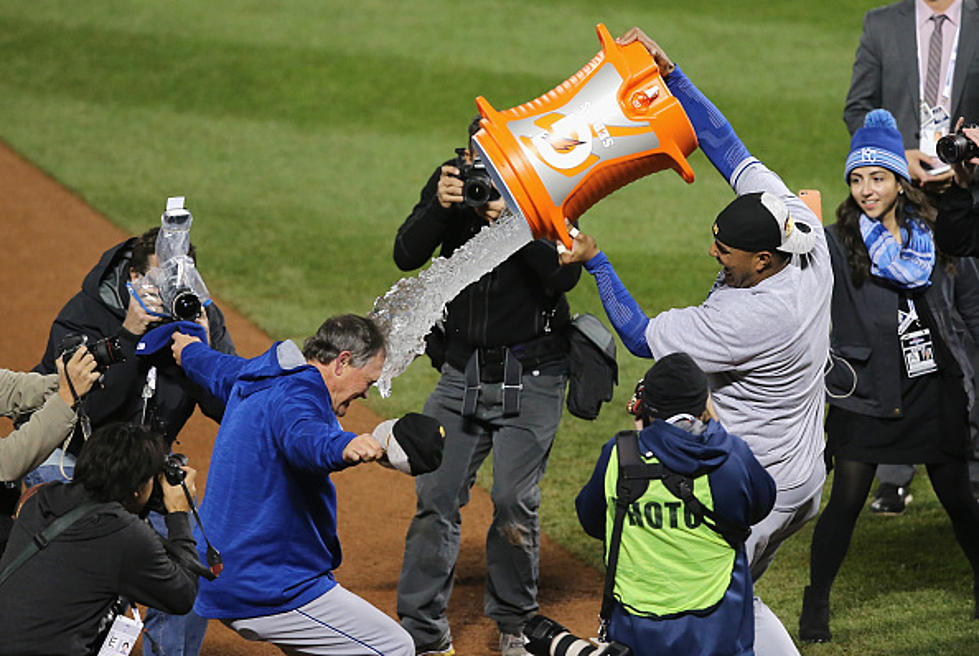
{"x": 673, "y": 504}
{"x": 77, "y": 548}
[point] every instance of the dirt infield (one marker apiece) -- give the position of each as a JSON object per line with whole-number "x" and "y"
{"x": 51, "y": 238}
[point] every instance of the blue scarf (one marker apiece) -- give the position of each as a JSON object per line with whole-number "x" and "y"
{"x": 908, "y": 266}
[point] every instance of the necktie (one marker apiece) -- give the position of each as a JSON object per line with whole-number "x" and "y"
{"x": 934, "y": 60}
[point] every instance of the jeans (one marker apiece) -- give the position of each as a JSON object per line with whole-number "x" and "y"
{"x": 51, "y": 469}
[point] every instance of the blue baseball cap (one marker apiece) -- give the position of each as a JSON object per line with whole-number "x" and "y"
{"x": 159, "y": 337}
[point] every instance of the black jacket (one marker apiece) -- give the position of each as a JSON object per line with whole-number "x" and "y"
{"x": 521, "y": 299}
{"x": 53, "y": 603}
{"x": 864, "y": 340}
{"x": 957, "y": 225}
{"x": 98, "y": 311}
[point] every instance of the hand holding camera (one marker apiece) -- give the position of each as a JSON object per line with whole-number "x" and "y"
{"x": 176, "y": 472}
{"x": 467, "y": 182}
{"x": 174, "y": 490}
{"x": 961, "y": 150}
{"x": 144, "y": 309}
{"x": 80, "y": 371}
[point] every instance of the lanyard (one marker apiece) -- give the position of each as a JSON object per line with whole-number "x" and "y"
{"x": 905, "y": 319}
{"x": 949, "y": 73}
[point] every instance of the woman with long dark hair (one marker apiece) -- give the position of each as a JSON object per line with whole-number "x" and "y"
{"x": 900, "y": 382}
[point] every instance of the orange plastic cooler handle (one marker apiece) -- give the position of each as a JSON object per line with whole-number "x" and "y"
{"x": 646, "y": 108}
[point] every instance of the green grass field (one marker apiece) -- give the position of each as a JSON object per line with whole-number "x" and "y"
{"x": 301, "y": 133}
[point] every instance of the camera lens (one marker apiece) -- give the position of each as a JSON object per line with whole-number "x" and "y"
{"x": 186, "y": 306}
{"x": 476, "y": 192}
{"x": 107, "y": 351}
{"x": 949, "y": 148}
{"x": 956, "y": 147}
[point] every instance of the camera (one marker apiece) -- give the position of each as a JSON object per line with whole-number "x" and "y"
{"x": 956, "y": 147}
{"x": 172, "y": 468}
{"x": 477, "y": 186}
{"x": 175, "y": 280}
{"x": 174, "y": 475}
{"x": 106, "y": 351}
{"x": 545, "y": 637}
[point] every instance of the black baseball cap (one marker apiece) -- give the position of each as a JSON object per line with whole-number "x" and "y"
{"x": 760, "y": 221}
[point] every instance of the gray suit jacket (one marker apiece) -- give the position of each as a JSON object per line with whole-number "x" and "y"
{"x": 885, "y": 71}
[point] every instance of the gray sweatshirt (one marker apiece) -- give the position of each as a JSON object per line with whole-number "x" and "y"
{"x": 28, "y": 446}
{"x": 764, "y": 347}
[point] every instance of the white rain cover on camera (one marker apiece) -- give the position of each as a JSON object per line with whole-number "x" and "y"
{"x": 175, "y": 272}
{"x": 174, "y": 236}
{"x": 177, "y": 275}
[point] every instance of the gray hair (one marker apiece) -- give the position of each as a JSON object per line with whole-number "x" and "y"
{"x": 346, "y": 332}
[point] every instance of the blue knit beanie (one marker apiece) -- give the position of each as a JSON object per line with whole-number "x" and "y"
{"x": 877, "y": 143}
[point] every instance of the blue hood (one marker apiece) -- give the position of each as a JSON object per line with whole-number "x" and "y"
{"x": 283, "y": 359}
{"x": 685, "y": 452}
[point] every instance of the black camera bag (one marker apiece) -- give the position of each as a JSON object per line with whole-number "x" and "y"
{"x": 593, "y": 371}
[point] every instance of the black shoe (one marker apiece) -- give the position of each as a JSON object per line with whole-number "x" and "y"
{"x": 890, "y": 499}
{"x": 814, "y": 620}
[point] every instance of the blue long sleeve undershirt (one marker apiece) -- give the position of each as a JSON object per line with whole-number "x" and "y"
{"x": 715, "y": 136}
{"x": 626, "y": 316}
{"x": 725, "y": 151}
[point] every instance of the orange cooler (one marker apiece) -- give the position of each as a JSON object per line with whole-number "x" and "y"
{"x": 612, "y": 122}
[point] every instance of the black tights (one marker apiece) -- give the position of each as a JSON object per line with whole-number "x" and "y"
{"x": 851, "y": 484}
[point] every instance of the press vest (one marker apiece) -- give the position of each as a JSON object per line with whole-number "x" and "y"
{"x": 669, "y": 562}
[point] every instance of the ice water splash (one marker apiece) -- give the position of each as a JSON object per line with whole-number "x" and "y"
{"x": 413, "y": 305}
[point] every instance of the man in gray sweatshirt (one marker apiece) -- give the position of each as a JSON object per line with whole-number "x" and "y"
{"x": 761, "y": 336}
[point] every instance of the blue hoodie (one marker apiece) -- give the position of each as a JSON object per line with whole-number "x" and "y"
{"x": 270, "y": 507}
{"x": 742, "y": 491}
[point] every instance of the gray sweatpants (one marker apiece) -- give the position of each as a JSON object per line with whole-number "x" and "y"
{"x": 793, "y": 508}
{"x": 520, "y": 447}
{"x": 338, "y": 623}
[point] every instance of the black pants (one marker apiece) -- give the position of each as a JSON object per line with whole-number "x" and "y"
{"x": 851, "y": 484}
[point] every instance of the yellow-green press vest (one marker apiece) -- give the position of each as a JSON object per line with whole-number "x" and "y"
{"x": 669, "y": 561}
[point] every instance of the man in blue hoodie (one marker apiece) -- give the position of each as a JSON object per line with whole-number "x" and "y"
{"x": 270, "y": 506}
{"x": 682, "y": 583}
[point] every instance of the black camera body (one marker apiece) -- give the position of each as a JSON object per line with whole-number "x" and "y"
{"x": 956, "y": 147}
{"x": 175, "y": 476}
{"x": 545, "y": 637}
{"x": 477, "y": 186}
{"x": 172, "y": 468}
{"x": 106, "y": 351}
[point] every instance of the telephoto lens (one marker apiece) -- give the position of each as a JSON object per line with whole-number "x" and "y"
{"x": 545, "y": 637}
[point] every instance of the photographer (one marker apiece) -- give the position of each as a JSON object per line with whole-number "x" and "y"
{"x": 56, "y": 600}
{"x": 49, "y": 401}
{"x": 682, "y": 584}
{"x": 504, "y": 341}
{"x": 957, "y": 224}
{"x": 151, "y": 390}
{"x": 105, "y": 308}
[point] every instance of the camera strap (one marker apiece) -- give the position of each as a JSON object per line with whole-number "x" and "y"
{"x": 80, "y": 414}
{"x": 44, "y": 538}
